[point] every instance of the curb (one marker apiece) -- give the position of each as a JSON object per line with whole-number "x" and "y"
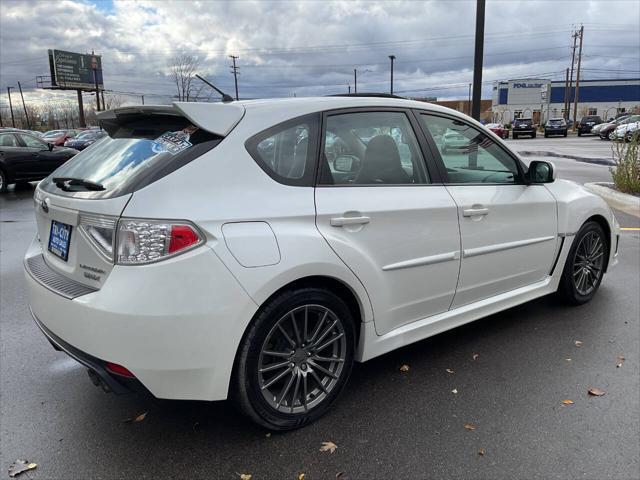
{"x": 543, "y": 153}
{"x": 622, "y": 201}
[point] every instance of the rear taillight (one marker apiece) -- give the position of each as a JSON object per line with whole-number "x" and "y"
{"x": 100, "y": 230}
{"x": 140, "y": 241}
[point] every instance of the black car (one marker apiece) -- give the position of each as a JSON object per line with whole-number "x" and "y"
{"x": 24, "y": 157}
{"x": 86, "y": 138}
{"x": 587, "y": 123}
{"x": 523, "y": 126}
{"x": 555, "y": 126}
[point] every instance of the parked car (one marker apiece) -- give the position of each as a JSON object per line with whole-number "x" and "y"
{"x": 207, "y": 251}
{"x": 627, "y": 131}
{"x": 523, "y": 126}
{"x": 84, "y": 139}
{"x": 25, "y": 157}
{"x": 58, "y": 137}
{"x": 555, "y": 126}
{"x": 453, "y": 140}
{"x": 608, "y": 132}
{"x": 587, "y": 123}
{"x": 499, "y": 129}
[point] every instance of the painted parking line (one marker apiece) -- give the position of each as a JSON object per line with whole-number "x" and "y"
{"x": 630, "y": 229}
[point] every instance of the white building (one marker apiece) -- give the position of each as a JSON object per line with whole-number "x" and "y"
{"x": 529, "y": 96}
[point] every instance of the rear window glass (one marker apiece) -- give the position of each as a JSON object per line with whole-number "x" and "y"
{"x": 138, "y": 150}
{"x": 519, "y": 121}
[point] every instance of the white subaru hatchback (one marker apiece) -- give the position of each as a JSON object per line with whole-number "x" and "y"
{"x": 254, "y": 250}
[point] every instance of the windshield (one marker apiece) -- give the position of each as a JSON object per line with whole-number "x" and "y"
{"x": 135, "y": 155}
{"x": 556, "y": 121}
{"x": 522, "y": 120}
{"x": 53, "y": 133}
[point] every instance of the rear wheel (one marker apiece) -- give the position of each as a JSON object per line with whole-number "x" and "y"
{"x": 295, "y": 359}
{"x": 533, "y": 135}
{"x": 3, "y": 181}
{"x": 565, "y": 133}
{"x": 585, "y": 265}
{"x": 612, "y": 135}
{"x": 515, "y": 135}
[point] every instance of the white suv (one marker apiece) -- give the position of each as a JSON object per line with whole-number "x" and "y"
{"x": 255, "y": 250}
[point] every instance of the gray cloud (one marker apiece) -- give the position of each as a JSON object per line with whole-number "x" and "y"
{"x": 312, "y": 47}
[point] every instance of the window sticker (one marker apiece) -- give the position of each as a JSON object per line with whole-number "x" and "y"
{"x": 174, "y": 142}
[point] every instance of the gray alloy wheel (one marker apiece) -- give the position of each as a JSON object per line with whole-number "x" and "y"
{"x": 612, "y": 135}
{"x": 302, "y": 359}
{"x": 588, "y": 263}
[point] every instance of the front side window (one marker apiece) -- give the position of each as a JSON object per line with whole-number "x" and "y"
{"x": 286, "y": 152}
{"x": 469, "y": 155}
{"x": 371, "y": 148}
{"x": 32, "y": 142}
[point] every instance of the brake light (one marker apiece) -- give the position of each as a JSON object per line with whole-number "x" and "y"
{"x": 145, "y": 241}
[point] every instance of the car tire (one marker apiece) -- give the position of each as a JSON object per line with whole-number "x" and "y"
{"x": 612, "y": 135}
{"x": 578, "y": 286}
{"x": 3, "y": 181}
{"x": 533, "y": 135}
{"x": 308, "y": 383}
{"x": 565, "y": 133}
{"x": 514, "y": 135}
{"x": 546, "y": 135}
{"x": 579, "y": 133}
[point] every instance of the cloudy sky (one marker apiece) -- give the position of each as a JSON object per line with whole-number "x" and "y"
{"x": 311, "y": 47}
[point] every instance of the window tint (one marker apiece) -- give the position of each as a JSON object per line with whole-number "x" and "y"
{"x": 8, "y": 140}
{"x": 469, "y": 155}
{"x": 32, "y": 142}
{"x": 371, "y": 148}
{"x": 286, "y": 152}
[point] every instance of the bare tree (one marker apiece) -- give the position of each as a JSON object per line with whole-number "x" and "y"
{"x": 113, "y": 100}
{"x": 184, "y": 68}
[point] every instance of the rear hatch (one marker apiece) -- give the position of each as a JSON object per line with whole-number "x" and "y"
{"x": 79, "y": 205}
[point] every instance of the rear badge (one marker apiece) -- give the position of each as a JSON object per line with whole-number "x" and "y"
{"x": 45, "y": 205}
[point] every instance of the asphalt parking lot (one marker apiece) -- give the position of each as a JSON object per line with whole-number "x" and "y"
{"x": 510, "y": 373}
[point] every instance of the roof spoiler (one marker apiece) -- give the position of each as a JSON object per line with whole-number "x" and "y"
{"x": 217, "y": 118}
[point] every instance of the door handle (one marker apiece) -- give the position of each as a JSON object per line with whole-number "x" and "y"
{"x": 475, "y": 212}
{"x": 35, "y": 154}
{"x": 341, "y": 221}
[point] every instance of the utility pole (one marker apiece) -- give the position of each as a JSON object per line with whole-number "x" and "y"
{"x": 573, "y": 59}
{"x": 142, "y": 99}
{"x": 13, "y": 120}
{"x": 94, "y": 66}
{"x": 575, "y": 101}
{"x": 469, "y": 102}
{"x": 565, "y": 113}
{"x": 234, "y": 70}
{"x": 26, "y": 115}
{"x": 392, "y": 58}
{"x": 81, "y": 119}
{"x": 477, "y": 60}
{"x": 355, "y": 81}
{"x": 349, "y": 88}
{"x": 104, "y": 104}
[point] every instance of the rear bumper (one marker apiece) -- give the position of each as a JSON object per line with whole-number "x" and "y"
{"x": 175, "y": 325}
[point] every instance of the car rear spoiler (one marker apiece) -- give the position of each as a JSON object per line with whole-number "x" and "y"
{"x": 217, "y": 118}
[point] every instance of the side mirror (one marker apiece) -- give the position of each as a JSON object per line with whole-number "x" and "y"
{"x": 346, "y": 163}
{"x": 541, "y": 172}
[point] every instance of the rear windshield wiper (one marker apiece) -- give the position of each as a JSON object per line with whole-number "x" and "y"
{"x": 64, "y": 183}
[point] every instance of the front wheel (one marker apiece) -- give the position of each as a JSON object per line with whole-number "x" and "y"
{"x": 584, "y": 268}
{"x": 295, "y": 359}
{"x": 3, "y": 181}
{"x": 612, "y": 135}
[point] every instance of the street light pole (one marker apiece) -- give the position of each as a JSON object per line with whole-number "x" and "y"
{"x": 24, "y": 105}
{"x": 392, "y": 58}
{"x": 477, "y": 60}
{"x": 355, "y": 81}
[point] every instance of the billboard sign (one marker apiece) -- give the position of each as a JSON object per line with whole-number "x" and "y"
{"x": 75, "y": 70}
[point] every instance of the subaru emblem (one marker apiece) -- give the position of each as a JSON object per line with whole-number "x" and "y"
{"x": 45, "y": 206}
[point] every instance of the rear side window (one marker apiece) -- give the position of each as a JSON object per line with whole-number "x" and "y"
{"x": 139, "y": 150}
{"x": 287, "y": 152}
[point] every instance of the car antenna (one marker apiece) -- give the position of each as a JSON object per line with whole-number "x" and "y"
{"x": 225, "y": 98}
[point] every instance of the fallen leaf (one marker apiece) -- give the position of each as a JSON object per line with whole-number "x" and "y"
{"x": 268, "y": 435}
{"x": 481, "y": 452}
{"x": 339, "y": 475}
{"x": 596, "y": 392}
{"x": 578, "y": 343}
{"x": 567, "y": 402}
{"x": 137, "y": 419}
{"x": 568, "y": 359}
{"x": 450, "y": 371}
{"x": 244, "y": 476}
{"x": 328, "y": 447}
{"x": 620, "y": 361}
{"x": 469, "y": 426}
{"x": 301, "y": 476}
{"x": 475, "y": 356}
{"x": 404, "y": 368}
{"x": 455, "y": 391}
{"x": 20, "y": 466}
